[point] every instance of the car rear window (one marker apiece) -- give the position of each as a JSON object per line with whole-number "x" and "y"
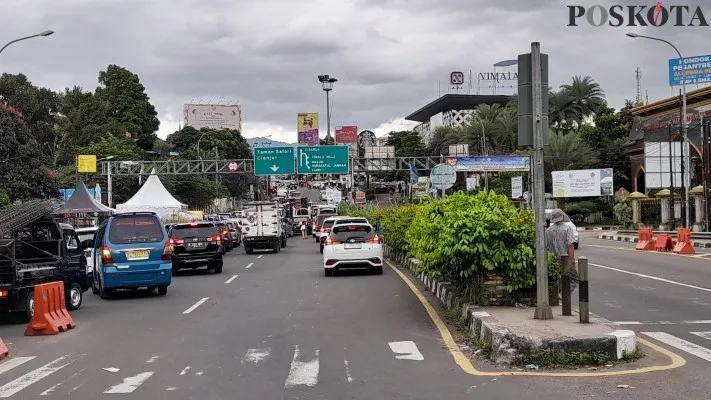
{"x": 352, "y": 221}
{"x": 135, "y": 229}
{"x": 327, "y": 211}
{"x": 187, "y": 231}
{"x": 353, "y": 233}
{"x": 328, "y": 224}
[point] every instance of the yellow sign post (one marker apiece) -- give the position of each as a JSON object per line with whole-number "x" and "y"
{"x": 86, "y": 163}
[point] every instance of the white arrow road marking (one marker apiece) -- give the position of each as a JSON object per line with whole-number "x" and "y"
{"x": 407, "y": 350}
{"x": 302, "y": 372}
{"x": 33, "y": 377}
{"x": 257, "y": 355}
{"x": 130, "y": 383}
{"x": 196, "y": 305}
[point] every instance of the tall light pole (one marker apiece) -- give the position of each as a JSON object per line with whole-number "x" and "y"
{"x": 327, "y": 85}
{"x": 109, "y": 188}
{"x": 45, "y": 33}
{"x": 684, "y": 125}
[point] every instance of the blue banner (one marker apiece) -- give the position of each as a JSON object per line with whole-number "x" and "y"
{"x": 491, "y": 163}
{"x": 414, "y": 175}
{"x": 697, "y": 70}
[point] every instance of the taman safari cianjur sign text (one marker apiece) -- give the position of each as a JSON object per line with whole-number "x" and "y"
{"x": 639, "y": 15}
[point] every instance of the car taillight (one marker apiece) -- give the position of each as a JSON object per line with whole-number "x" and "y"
{"x": 215, "y": 238}
{"x": 374, "y": 239}
{"x": 176, "y": 241}
{"x": 332, "y": 241}
{"x": 106, "y": 257}
{"x": 167, "y": 251}
{"x": 322, "y": 230}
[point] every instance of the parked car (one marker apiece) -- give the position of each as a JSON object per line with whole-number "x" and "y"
{"x": 132, "y": 250}
{"x": 352, "y": 246}
{"x": 196, "y": 244}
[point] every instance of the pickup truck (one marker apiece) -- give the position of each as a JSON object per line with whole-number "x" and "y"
{"x": 263, "y": 226}
{"x": 42, "y": 251}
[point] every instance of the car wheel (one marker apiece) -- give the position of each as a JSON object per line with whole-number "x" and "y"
{"x": 378, "y": 270}
{"x": 162, "y": 290}
{"x": 29, "y": 306}
{"x": 103, "y": 292}
{"x": 94, "y": 289}
{"x": 218, "y": 269}
{"x": 284, "y": 242}
{"x": 176, "y": 268}
{"x": 317, "y": 239}
{"x": 247, "y": 250}
{"x": 328, "y": 271}
{"x": 575, "y": 246}
{"x": 74, "y": 297}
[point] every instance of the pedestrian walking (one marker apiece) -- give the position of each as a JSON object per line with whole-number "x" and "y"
{"x": 303, "y": 229}
{"x": 560, "y": 240}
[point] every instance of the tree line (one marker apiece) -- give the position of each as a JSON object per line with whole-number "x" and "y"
{"x": 42, "y": 131}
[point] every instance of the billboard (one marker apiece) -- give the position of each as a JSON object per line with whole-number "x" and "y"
{"x": 583, "y": 183}
{"x": 491, "y": 163}
{"x": 348, "y": 135}
{"x": 307, "y": 128}
{"x": 213, "y": 116}
{"x": 697, "y": 70}
{"x": 662, "y": 164}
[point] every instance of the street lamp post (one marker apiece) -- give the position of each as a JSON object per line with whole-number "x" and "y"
{"x": 327, "y": 85}
{"x": 41, "y": 34}
{"x": 109, "y": 189}
{"x": 684, "y": 125}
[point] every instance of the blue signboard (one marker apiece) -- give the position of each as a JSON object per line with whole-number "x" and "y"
{"x": 491, "y": 163}
{"x": 697, "y": 70}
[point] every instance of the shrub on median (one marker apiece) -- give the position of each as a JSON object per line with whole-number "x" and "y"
{"x": 461, "y": 236}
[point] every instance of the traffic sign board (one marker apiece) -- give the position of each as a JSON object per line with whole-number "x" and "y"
{"x": 233, "y": 166}
{"x": 443, "y": 176}
{"x": 323, "y": 160}
{"x": 273, "y": 160}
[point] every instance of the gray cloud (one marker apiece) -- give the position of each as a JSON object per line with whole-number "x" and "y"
{"x": 388, "y": 55}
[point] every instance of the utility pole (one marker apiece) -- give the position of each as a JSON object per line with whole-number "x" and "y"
{"x": 533, "y": 131}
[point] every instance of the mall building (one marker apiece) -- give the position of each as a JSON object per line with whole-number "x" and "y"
{"x": 450, "y": 110}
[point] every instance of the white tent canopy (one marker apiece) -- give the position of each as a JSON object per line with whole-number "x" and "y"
{"x": 152, "y": 196}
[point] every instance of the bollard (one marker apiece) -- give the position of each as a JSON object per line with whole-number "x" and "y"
{"x": 565, "y": 282}
{"x": 583, "y": 290}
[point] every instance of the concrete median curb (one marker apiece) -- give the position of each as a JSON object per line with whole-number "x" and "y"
{"x": 633, "y": 239}
{"x": 506, "y": 347}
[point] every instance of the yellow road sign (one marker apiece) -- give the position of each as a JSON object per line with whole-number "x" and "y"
{"x": 86, "y": 163}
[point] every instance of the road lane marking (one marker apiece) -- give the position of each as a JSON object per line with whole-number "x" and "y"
{"x": 249, "y": 265}
{"x": 681, "y": 344}
{"x": 152, "y": 359}
{"x": 33, "y": 377}
{"x": 302, "y": 372}
{"x": 257, "y": 355}
{"x": 348, "y": 372}
{"x": 196, "y": 305}
{"x": 406, "y": 350}
{"x": 129, "y": 384}
{"x": 260, "y": 256}
{"x": 54, "y": 388}
{"x": 675, "y": 360}
{"x": 655, "y": 278}
{"x": 231, "y": 279}
{"x": 185, "y": 370}
{"x": 14, "y": 362}
{"x": 705, "y": 335}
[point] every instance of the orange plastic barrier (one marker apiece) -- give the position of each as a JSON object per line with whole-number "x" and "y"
{"x": 646, "y": 239}
{"x": 4, "y": 352}
{"x": 664, "y": 242}
{"x": 51, "y": 316}
{"x": 683, "y": 242}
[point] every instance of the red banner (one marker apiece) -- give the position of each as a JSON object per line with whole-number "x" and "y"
{"x": 346, "y": 134}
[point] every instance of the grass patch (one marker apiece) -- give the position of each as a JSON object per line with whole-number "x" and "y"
{"x": 561, "y": 359}
{"x": 464, "y": 335}
{"x": 636, "y": 355}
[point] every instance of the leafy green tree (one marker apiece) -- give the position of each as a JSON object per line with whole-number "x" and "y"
{"x": 24, "y": 166}
{"x": 407, "y": 144}
{"x": 4, "y": 198}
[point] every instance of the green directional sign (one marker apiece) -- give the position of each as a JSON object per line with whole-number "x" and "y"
{"x": 322, "y": 160}
{"x": 273, "y": 160}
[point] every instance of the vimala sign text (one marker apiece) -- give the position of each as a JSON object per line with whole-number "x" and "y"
{"x": 656, "y": 15}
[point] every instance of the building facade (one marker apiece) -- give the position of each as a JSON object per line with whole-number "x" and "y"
{"x": 659, "y": 122}
{"x": 451, "y": 110}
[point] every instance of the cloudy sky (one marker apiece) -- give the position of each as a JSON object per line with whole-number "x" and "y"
{"x": 388, "y": 55}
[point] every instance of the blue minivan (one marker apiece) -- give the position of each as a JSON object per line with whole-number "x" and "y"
{"x": 131, "y": 250}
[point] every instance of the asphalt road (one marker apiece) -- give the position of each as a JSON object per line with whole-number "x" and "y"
{"x": 271, "y": 326}
{"x": 659, "y": 295}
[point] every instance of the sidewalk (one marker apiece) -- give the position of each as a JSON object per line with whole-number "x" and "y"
{"x": 704, "y": 244}
{"x": 511, "y": 333}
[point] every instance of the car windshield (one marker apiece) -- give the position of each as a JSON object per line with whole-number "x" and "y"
{"x": 135, "y": 229}
{"x": 188, "y": 231}
{"x": 352, "y": 233}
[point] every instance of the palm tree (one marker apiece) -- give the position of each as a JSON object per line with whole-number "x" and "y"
{"x": 587, "y": 97}
{"x": 561, "y": 107}
{"x": 567, "y": 152}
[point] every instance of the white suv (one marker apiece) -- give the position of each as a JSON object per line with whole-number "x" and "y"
{"x": 352, "y": 246}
